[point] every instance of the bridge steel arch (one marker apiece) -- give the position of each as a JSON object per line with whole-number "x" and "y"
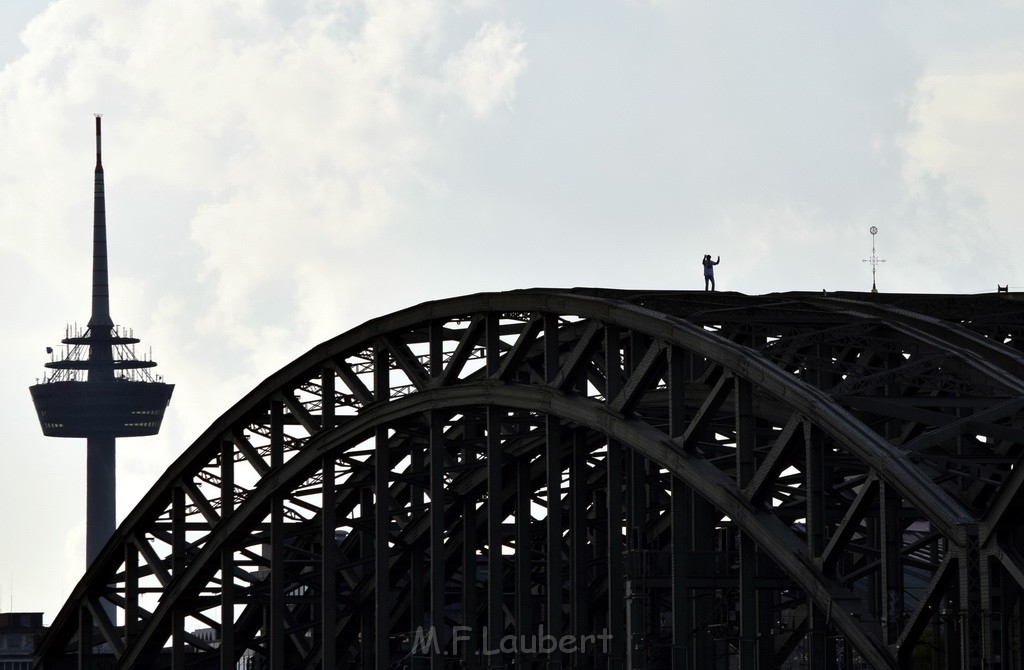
{"x": 594, "y": 478}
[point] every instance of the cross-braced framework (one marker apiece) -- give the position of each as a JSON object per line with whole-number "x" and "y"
{"x": 592, "y": 479}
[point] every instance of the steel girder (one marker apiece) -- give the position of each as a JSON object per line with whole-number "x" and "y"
{"x": 667, "y": 479}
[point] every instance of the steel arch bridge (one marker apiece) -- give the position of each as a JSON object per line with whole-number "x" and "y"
{"x": 594, "y": 479}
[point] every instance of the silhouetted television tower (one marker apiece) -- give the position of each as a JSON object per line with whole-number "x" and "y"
{"x": 98, "y": 389}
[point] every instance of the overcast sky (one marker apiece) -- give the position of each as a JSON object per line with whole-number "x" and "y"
{"x": 278, "y": 172}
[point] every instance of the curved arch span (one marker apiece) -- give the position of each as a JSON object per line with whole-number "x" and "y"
{"x": 698, "y": 484}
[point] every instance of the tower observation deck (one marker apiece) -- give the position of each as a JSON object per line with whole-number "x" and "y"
{"x": 98, "y": 389}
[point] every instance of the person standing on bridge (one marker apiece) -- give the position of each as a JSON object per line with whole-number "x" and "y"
{"x": 709, "y": 271}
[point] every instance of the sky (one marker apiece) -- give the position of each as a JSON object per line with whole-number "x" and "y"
{"x": 280, "y": 171}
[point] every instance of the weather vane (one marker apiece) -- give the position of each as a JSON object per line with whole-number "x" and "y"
{"x": 874, "y": 260}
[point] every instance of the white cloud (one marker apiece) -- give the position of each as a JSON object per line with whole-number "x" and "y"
{"x": 485, "y": 72}
{"x": 964, "y": 166}
{"x": 969, "y": 131}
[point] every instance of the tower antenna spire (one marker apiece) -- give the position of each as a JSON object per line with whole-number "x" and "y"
{"x": 100, "y": 317}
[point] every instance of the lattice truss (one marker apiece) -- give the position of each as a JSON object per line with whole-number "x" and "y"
{"x": 780, "y": 481}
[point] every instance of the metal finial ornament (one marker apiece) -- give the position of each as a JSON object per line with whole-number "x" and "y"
{"x": 874, "y": 260}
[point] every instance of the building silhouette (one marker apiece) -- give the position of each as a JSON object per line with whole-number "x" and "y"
{"x": 19, "y": 632}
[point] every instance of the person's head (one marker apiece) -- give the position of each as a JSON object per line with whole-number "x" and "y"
{"x": 707, "y": 257}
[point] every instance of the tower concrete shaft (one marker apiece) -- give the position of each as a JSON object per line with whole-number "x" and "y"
{"x": 100, "y": 493}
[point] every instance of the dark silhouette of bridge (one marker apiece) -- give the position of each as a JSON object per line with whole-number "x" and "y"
{"x": 709, "y": 480}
